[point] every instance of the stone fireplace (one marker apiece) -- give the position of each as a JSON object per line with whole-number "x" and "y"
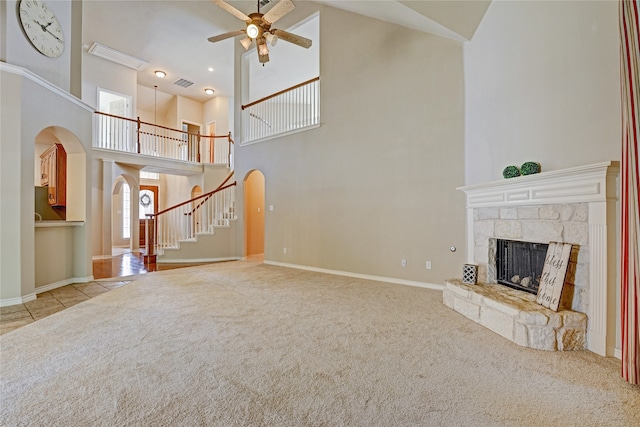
{"x": 576, "y": 206}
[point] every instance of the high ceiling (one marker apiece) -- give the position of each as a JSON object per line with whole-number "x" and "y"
{"x": 172, "y": 35}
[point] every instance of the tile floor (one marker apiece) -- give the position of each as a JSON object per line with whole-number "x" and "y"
{"x": 47, "y": 303}
{"x": 105, "y": 272}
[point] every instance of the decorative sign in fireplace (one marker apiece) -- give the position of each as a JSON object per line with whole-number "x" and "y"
{"x": 519, "y": 264}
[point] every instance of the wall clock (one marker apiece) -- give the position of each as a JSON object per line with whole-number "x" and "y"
{"x": 41, "y": 27}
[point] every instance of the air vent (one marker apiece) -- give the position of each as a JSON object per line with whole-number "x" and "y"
{"x": 183, "y": 83}
{"x": 118, "y": 57}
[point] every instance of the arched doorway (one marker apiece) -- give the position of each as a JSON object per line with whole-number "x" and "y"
{"x": 254, "y": 185}
{"x": 124, "y": 215}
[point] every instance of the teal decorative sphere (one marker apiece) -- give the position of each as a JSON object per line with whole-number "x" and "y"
{"x": 511, "y": 172}
{"x": 529, "y": 168}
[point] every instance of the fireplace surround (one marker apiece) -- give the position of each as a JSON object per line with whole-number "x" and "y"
{"x": 576, "y": 205}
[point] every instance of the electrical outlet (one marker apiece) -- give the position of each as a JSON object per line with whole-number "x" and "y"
{"x": 284, "y": 250}
{"x": 428, "y": 265}
{"x": 404, "y": 262}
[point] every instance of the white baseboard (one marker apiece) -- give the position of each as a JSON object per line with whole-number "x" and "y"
{"x": 617, "y": 353}
{"x": 358, "y": 275}
{"x": 61, "y": 283}
{"x": 196, "y": 260}
{"x": 44, "y": 288}
{"x": 15, "y": 301}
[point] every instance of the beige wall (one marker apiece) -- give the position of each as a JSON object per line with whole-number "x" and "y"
{"x": 376, "y": 182}
{"x": 218, "y": 110}
{"x": 53, "y": 255}
{"x": 190, "y": 111}
{"x": 542, "y": 84}
{"x": 101, "y": 73}
{"x": 29, "y": 106}
{"x": 18, "y": 51}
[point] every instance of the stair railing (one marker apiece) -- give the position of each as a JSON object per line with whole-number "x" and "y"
{"x": 215, "y": 208}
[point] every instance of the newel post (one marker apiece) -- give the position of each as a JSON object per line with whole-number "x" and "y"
{"x": 138, "y": 134}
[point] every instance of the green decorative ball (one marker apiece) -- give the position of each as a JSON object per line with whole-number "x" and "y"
{"x": 529, "y": 168}
{"x": 511, "y": 172}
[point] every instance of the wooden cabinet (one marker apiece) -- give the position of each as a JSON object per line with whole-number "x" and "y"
{"x": 53, "y": 174}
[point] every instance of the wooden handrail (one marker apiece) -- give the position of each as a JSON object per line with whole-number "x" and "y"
{"x": 193, "y": 200}
{"x": 279, "y": 93}
{"x": 159, "y": 126}
{"x": 211, "y": 194}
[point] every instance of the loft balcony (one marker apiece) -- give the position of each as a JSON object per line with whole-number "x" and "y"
{"x": 159, "y": 148}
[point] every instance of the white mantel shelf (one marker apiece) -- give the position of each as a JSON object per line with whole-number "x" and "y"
{"x": 595, "y": 185}
{"x": 581, "y": 184}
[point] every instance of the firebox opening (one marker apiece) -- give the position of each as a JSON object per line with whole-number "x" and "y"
{"x": 519, "y": 264}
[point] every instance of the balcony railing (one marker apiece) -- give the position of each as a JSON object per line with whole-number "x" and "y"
{"x": 290, "y": 110}
{"x": 135, "y": 136}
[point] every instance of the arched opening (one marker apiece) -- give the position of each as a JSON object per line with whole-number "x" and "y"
{"x": 124, "y": 216}
{"x": 60, "y": 196}
{"x": 60, "y": 176}
{"x": 254, "y": 189}
{"x": 196, "y": 191}
{"x": 196, "y": 213}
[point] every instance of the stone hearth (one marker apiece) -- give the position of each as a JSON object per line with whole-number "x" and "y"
{"x": 577, "y": 206}
{"x": 516, "y": 316}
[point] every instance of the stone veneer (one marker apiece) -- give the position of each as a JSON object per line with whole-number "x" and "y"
{"x": 539, "y": 224}
{"x": 516, "y": 316}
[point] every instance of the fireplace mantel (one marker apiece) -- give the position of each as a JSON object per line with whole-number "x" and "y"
{"x": 594, "y": 185}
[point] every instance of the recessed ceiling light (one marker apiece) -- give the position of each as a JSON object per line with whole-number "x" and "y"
{"x": 160, "y": 74}
{"x": 209, "y": 91}
{"x": 210, "y": 68}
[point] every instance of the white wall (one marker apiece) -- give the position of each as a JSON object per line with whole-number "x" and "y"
{"x": 542, "y": 84}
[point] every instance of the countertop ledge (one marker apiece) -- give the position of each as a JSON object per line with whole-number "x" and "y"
{"x": 58, "y": 223}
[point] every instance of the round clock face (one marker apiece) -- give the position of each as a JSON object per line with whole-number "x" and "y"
{"x": 41, "y": 27}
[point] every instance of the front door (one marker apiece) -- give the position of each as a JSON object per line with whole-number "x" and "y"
{"x": 148, "y": 205}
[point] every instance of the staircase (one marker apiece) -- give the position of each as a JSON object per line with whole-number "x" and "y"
{"x": 185, "y": 232}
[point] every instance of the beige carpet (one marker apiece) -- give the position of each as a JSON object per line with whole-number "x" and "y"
{"x": 245, "y": 344}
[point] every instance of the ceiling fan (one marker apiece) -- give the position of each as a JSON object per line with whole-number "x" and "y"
{"x": 259, "y": 28}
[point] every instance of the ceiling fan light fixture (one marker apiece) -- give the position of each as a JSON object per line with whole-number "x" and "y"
{"x": 263, "y": 49}
{"x": 272, "y": 39}
{"x": 209, "y": 91}
{"x": 160, "y": 74}
{"x": 246, "y": 43}
{"x": 252, "y": 31}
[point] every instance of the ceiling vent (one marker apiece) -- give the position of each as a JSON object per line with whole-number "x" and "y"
{"x": 183, "y": 83}
{"x": 118, "y": 57}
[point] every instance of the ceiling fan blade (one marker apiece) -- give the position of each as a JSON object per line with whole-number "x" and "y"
{"x": 232, "y": 10}
{"x": 278, "y": 11}
{"x": 292, "y": 38}
{"x": 226, "y": 36}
